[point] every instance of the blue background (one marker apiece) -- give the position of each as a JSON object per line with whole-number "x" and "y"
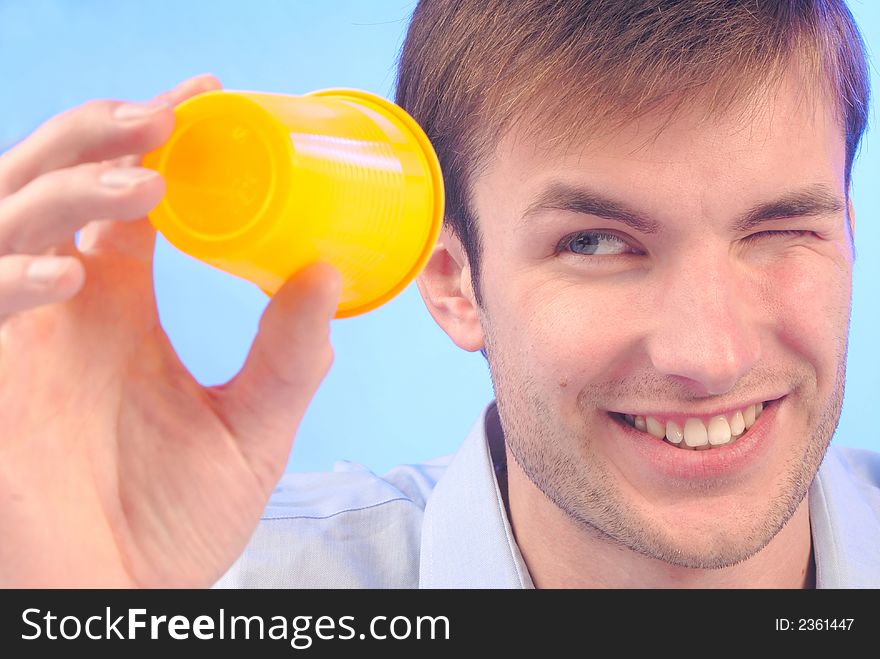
{"x": 399, "y": 390}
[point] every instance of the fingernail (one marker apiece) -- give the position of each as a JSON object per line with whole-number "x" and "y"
{"x": 335, "y": 292}
{"x": 45, "y": 271}
{"x": 126, "y": 177}
{"x": 139, "y": 110}
{"x": 335, "y": 283}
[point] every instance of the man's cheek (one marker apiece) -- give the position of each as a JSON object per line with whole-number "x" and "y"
{"x": 808, "y": 306}
{"x": 575, "y": 333}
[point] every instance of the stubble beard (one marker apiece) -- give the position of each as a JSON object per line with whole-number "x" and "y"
{"x": 583, "y": 488}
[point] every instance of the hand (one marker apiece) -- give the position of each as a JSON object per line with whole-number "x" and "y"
{"x": 117, "y": 468}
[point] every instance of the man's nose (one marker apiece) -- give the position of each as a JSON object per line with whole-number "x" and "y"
{"x": 707, "y": 323}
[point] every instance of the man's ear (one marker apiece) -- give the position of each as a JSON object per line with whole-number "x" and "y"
{"x": 445, "y": 285}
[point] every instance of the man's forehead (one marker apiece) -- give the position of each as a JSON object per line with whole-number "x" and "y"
{"x": 782, "y": 157}
{"x": 816, "y": 199}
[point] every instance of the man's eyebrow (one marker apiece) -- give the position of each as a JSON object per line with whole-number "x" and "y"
{"x": 813, "y": 200}
{"x": 566, "y": 197}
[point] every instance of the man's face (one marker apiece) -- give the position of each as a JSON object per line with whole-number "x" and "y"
{"x": 699, "y": 319}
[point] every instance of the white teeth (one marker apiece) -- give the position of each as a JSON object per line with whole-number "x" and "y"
{"x": 737, "y": 424}
{"x": 718, "y": 431}
{"x": 749, "y": 416}
{"x": 655, "y": 427}
{"x": 673, "y": 433}
{"x": 695, "y": 433}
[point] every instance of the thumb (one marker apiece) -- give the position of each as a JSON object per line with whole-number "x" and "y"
{"x": 264, "y": 404}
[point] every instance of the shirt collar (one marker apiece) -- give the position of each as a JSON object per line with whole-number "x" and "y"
{"x": 467, "y": 541}
{"x": 844, "y": 510}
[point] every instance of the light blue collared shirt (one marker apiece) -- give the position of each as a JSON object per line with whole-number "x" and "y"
{"x": 442, "y": 524}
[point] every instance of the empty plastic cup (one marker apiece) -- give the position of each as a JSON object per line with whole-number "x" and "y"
{"x": 260, "y": 185}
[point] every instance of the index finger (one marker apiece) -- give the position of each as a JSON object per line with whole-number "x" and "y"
{"x": 92, "y": 133}
{"x": 190, "y": 87}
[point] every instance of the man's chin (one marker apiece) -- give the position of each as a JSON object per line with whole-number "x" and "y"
{"x": 722, "y": 550}
{"x": 710, "y": 535}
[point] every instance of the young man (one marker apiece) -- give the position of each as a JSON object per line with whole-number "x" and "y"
{"x": 649, "y": 233}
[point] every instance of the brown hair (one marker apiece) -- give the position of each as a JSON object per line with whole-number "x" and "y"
{"x": 469, "y": 70}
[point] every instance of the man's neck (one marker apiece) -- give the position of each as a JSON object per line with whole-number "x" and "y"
{"x": 561, "y": 554}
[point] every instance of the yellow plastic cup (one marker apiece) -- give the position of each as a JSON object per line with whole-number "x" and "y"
{"x": 260, "y": 185}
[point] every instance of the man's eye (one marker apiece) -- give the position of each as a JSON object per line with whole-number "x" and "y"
{"x": 788, "y": 233}
{"x": 595, "y": 243}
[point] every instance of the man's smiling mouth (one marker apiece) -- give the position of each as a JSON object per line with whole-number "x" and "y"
{"x": 698, "y": 433}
